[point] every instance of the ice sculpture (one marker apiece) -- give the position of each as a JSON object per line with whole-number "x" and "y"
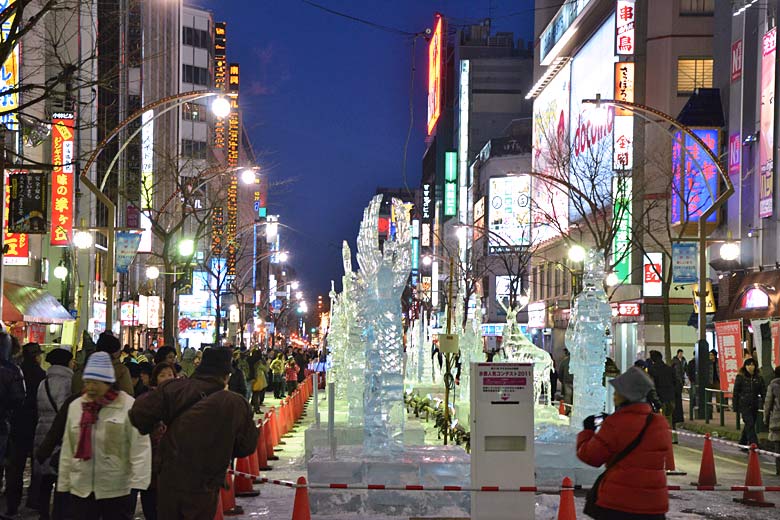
{"x": 519, "y": 348}
{"x": 587, "y": 341}
{"x": 383, "y": 276}
{"x": 354, "y": 355}
{"x": 336, "y": 343}
{"x": 471, "y": 351}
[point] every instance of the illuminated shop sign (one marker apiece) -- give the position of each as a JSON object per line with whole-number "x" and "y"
{"x": 435, "y": 51}
{"x": 694, "y": 189}
{"x": 450, "y": 184}
{"x": 232, "y": 162}
{"x": 220, "y": 77}
{"x": 9, "y": 79}
{"x": 509, "y": 213}
{"x": 621, "y": 244}
{"x": 17, "y": 245}
{"x": 766, "y": 132}
{"x": 625, "y": 16}
{"x": 62, "y": 182}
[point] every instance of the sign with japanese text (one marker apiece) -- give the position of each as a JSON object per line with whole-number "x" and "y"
{"x": 736, "y": 60}
{"x": 537, "y": 315}
{"x": 729, "y": 334}
{"x": 220, "y": 77}
{"x": 505, "y": 383}
{"x": 234, "y": 134}
{"x": 695, "y": 179}
{"x": 624, "y": 86}
{"x": 766, "y": 132}
{"x": 9, "y": 76}
{"x": 629, "y": 309}
{"x": 652, "y": 272}
{"x": 153, "y": 312}
{"x": 622, "y": 189}
{"x": 625, "y": 21}
{"x": 709, "y": 298}
{"x": 128, "y": 314}
{"x": 450, "y": 184}
{"x": 27, "y": 203}
{"x": 623, "y": 146}
{"x": 509, "y": 213}
{"x": 435, "y": 72}
{"x": 685, "y": 257}
{"x": 126, "y": 247}
{"x": 62, "y": 181}
{"x": 735, "y": 153}
{"x": 17, "y": 244}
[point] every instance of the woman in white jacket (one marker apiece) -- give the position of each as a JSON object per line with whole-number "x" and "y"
{"x": 103, "y": 456}
{"x": 52, "y": 394}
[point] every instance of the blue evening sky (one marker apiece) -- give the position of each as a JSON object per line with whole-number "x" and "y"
{"x": 326, "y": 103}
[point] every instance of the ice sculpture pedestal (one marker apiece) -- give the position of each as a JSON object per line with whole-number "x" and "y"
{"x": 418, "y": 465}
{"x": 556, "y": 457}
{"x": 349, "y": 436}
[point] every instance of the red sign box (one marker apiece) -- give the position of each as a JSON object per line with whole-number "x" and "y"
{"x": 729, "y": 352}
{"x": 62, "y": 182}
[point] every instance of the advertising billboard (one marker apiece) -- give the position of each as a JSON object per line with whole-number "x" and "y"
{"x": 766, "y": 133}
{"x": 450, "y": 184}
{"x": 9, "y": 80}
{"x": 17, "y": 246}
{"x": 550, "y": 138}
{"x": 27, "y": 204}
{"x": 62, "y": 182}
{"x": 622, "y": 188}
{"x": 592, "y": 128}
{"x": 695, "y": 177}
{"x": 625, "y": 16}
{"x": 652, "y": 283}
{"x": 435, "y": 53}
{"x": 509, "y": 213}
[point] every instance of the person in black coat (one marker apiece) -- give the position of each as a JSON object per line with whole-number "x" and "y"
{"x": 11, "y": 389}
{"x": 22, "y": 434}
{"x": 665, "y": 383}
{"x": 749, "y": 392}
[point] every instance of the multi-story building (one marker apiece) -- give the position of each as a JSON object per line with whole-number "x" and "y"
{"x": 658, "y": 57}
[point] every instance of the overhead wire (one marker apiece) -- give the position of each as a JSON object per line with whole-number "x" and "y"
{"x": 359, "y": 20}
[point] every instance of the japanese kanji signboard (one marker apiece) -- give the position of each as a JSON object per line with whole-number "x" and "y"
{"x": 504, "y": 383}
{"x": 766, "y": 132}
{"x": 27, "y": 203}
{"x": 62, "y": 182}
{"x": 18, "y": 247}
{"x": 625, "y": 16}
{"x": 729, "y": 352}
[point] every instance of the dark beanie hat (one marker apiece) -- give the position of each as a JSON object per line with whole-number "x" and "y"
{"x": 162, "y": 353}
{"x": 134, "y": 369}
{"x": 145, "y": 367}
{"x": 59, "y": 356}
{"x": 215, "y": 362}
{"x": 108, "y": 343}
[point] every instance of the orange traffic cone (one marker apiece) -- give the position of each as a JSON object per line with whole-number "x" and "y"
{"x": 254, "y": 466}
{"x": 561, "y": 408}
{"x": 269, "y": 441}
{"x": 218, "y": 515}
{"x": 261, "y": 451}
{"x": 276, "y": 427}
{"x": 671, "y": 469}
{"x": 753, "y": 478}
{"x": 707, "y": 475}
{"x": 566, "y": 509}
{"x": 301, "y": 509}
{"x": 227, "y": 499}
{"x": 243, "y": 483}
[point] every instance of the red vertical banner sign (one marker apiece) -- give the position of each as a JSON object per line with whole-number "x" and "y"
{"x": 729, "y": 352}
{"x": 775, "y": 343}
{"x": 18, "y": 247}
{"x": 62, "y": 182}
{"x": 234, "y": 134}
{"x": 766, "y": 133}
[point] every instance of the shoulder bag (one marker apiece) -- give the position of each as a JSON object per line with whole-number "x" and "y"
{"x": 591, "y": 509}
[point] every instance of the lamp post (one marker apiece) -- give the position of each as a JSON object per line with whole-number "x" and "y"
{"x": 652, "y": 115}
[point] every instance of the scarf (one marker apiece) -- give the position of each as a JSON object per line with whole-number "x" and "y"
{"x": 89, "y": 416}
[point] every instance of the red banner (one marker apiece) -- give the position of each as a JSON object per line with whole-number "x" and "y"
{"x": 17, "y": 243}
{"x": 775, "y": 343}
{"x": 62, "y": 182}
{"x": 729, "y": 352}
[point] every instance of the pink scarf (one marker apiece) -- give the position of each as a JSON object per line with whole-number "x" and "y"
{"x": 89, "y": 416}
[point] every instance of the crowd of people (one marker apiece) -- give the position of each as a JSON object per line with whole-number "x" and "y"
{"x": 100, "y": 428}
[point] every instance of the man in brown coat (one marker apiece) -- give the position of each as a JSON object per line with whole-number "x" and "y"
{"x": 207, "y": 427}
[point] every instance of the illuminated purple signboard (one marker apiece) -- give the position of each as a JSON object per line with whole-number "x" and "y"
{"x": 691, "y": 194}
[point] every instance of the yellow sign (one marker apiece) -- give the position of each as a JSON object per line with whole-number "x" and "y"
{"x": 709, "y": 298}
{"x": 9, "y": 74}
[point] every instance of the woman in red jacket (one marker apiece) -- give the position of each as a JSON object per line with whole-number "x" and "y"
{"x": 634, "y": 484}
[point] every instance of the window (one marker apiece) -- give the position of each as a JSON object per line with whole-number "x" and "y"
{"x": 193, "y": 149}
{"x": 549, "y": 280}
{"x": 193, "y": 112}
{"x": 535, "y": 284}
{"x": 557, "y": 280}
{"x": 693, "y": 73}
{"x": 196, "y": 75}
{"x": 697, "y": 7}
{"x": 196, "y": 38}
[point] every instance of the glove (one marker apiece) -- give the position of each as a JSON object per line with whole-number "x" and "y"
{"x": 589, "y": 423}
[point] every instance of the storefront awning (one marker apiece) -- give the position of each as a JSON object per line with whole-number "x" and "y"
{"x": 757, "y": 296}
{"x": 31, "y": 304}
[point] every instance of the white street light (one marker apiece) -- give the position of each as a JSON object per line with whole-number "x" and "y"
{"x": 427, "y": 260}
{"x": 152, "y": 272}
{"x": 523, "y": 300}
{"x": 283, "y": 256}
{"x": 294, "y": 285}
{"x": 577, "y": 253}
{"x": 248, "y": 176}
{"x": 220, "y": 107}
{"x": 462, "y": 232}
{"x": 60, "y": 272}
{"x": 729, "y": 251}
{"x": 612, "y": 280}
{"x": 186, "y": 247}
{"x": 82, "y": 239}
{"x": 299, "y": 295}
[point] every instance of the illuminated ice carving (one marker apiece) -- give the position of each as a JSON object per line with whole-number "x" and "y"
{"x": 471, "y": 351}
{"x": 586, "y": 339}
{"x": 336, "y": 343}
{"x": 353, "y": 354}
{"x": 520, "y": 349}
{"x": 383, "y": 276}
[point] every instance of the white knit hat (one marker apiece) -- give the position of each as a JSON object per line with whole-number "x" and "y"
{"x": 99, "y": 368}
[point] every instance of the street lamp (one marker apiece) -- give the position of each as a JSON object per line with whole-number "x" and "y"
{"x": 82, "y": 239}
{"x": 294, "y": 285}
{"x": 248, "y": 176}
{"x": 612, "y": 280}
{"x": 152, "y": 272}
{"x": 220, "y": 107}
{"x": 186, "y": 247}
{"x": 283, "y": 256}
{"x": 729, "y": 251}
{"x": 577, "y": 253}
{"x": 60, "y": 272}
{"x": 427, "y": 260}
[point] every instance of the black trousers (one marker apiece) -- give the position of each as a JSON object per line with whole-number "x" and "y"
{"x": 18, "y": 454}
{"x": 89, "y": 508}
{"x": 257, "y": 399}
{"x": 749, "y": 436}
{"x": 148, "y": 502}
{"x": 181, "y": 505}
{"x": 45, "y": 509}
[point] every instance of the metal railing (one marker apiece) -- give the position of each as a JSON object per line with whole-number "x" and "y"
{"x": 722, "y": 404}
